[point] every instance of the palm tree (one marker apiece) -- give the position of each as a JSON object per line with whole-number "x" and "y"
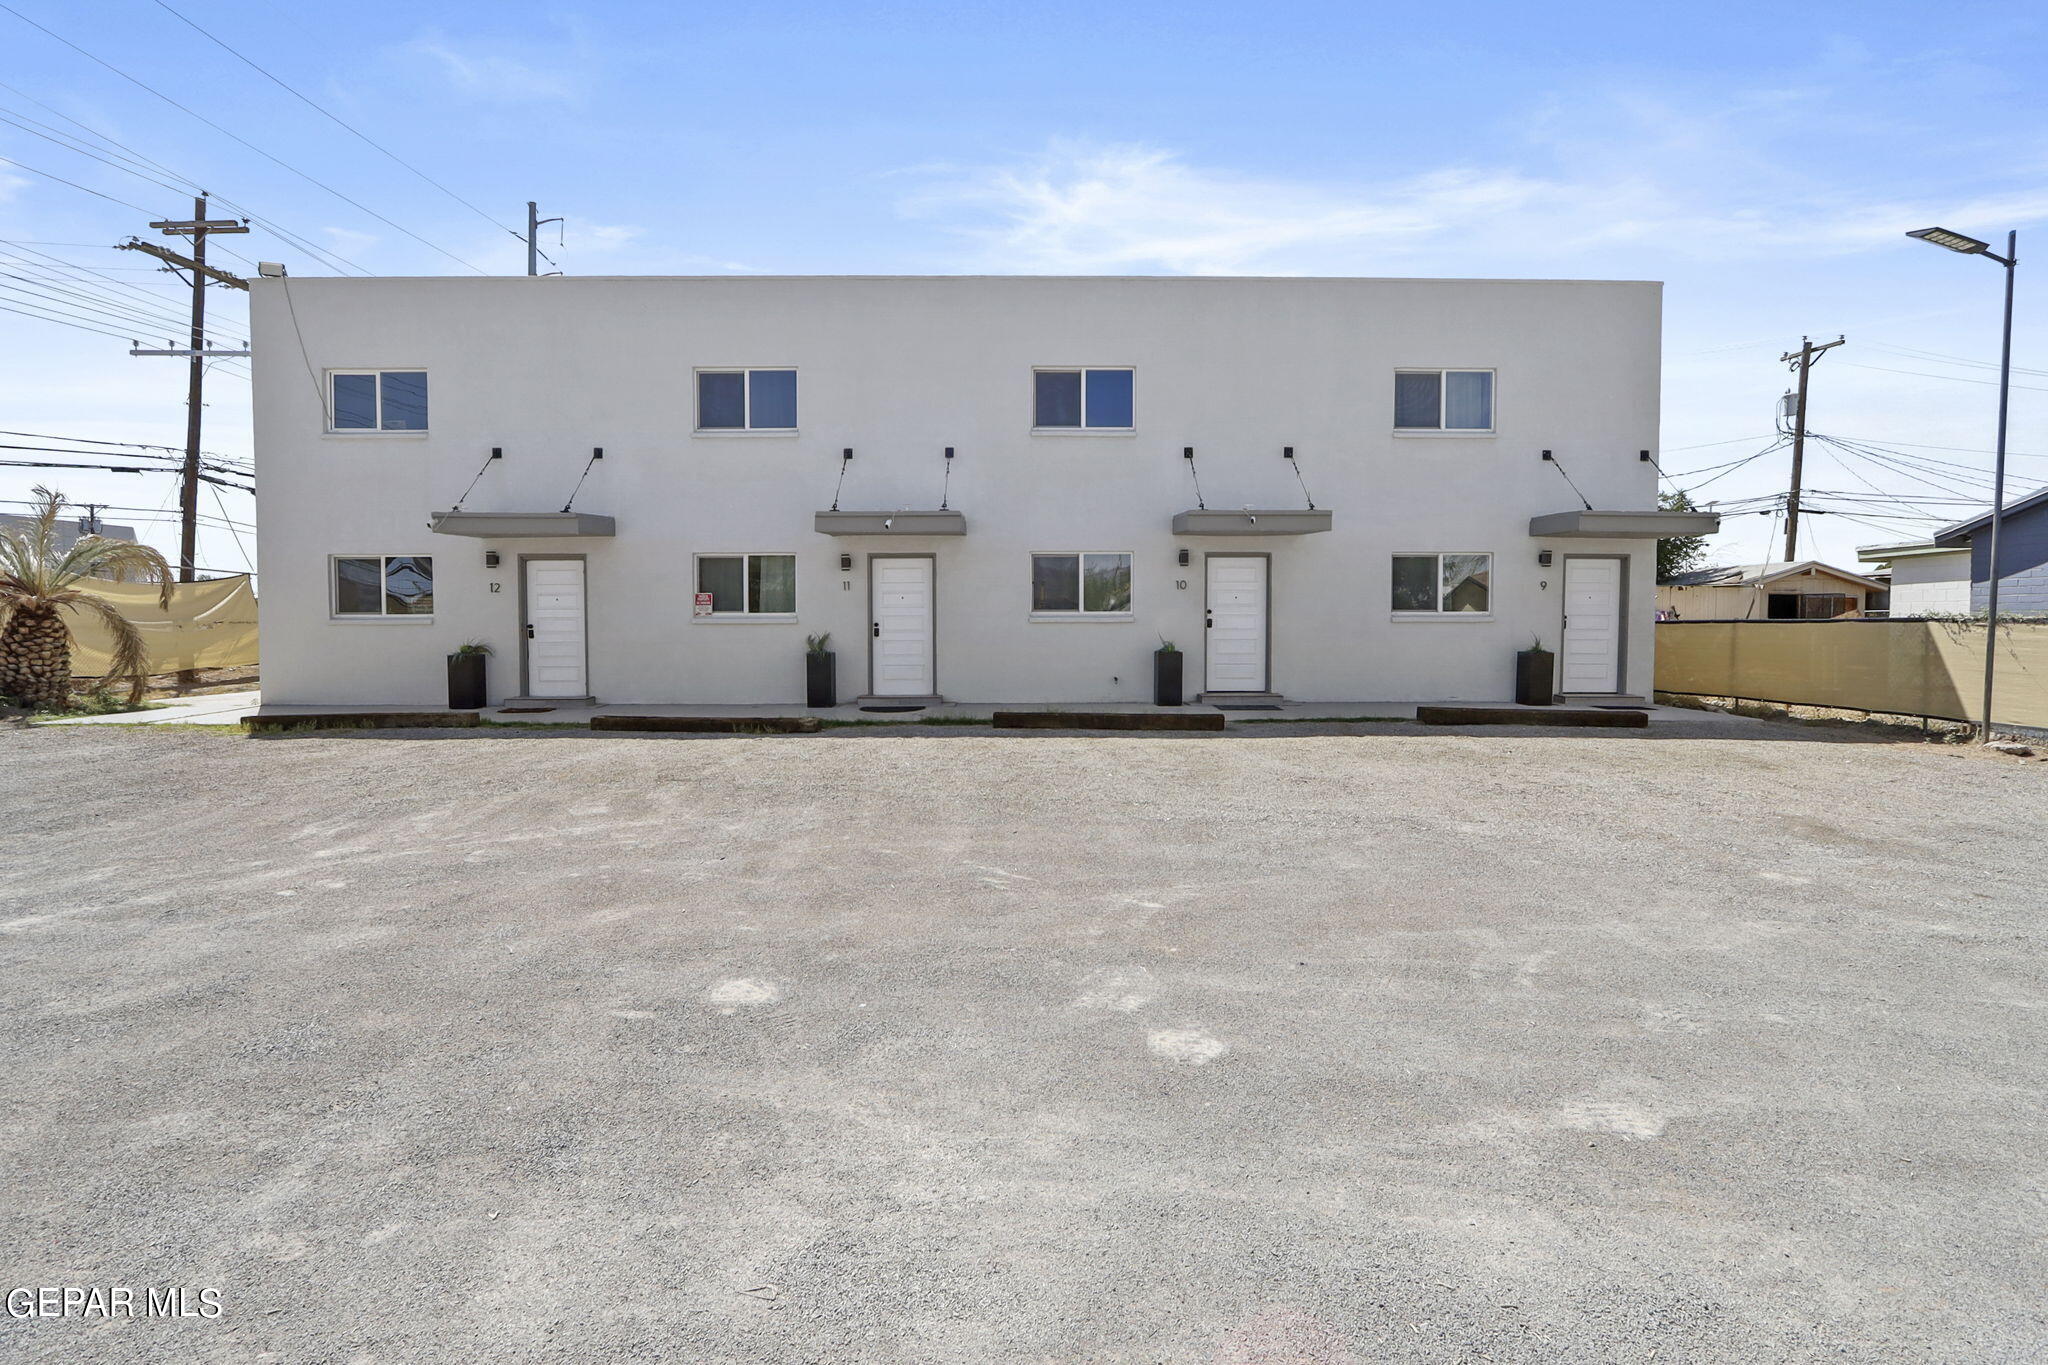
{"x": 38, "y": 583}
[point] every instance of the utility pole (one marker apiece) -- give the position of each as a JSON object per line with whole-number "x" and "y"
{"x": 1800, "y": 360}
{"x": 533, "y": 223}
{"x": 198, "y": 228}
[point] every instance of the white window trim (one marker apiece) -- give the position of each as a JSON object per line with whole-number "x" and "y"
{"x": 746, "y": 398}
{"x": 327, "y": 407}
{"x": 1439, "y": 614}
{"x": 368, "y": 618}
{"x": 738, "y": 617}
{"x": 1083, "y": 429}
{"x": 1081, "y": 612}
{"x": 1443, "y": 398}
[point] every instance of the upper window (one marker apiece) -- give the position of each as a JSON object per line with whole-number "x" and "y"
{"x": 1081, "y": 583}
{"x": 379, "y": 400}
{"x": 1443, "y": 400}
{"x": 748, "y": 585}
{"x": 746, "y": 400}
{"x": 1082, "y": 398}
{"x": 1440, "y": 585}
{"x": 384, "y": 585}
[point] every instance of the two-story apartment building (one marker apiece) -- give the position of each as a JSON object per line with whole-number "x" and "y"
{"x": 985, "y": 489}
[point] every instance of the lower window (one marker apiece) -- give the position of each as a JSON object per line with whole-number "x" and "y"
{"x": 1081, "y": 583}
{"x": 384, "y": 585}
{"x": 1441, "y": 584}
{"x": 748, "y": 585}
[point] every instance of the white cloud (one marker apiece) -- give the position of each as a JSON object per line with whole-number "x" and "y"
{"x": 495, "y": 75}
{"x": 1681, "y": 187}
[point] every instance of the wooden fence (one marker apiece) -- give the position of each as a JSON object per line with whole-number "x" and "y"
{"x": 1905, "y": 668}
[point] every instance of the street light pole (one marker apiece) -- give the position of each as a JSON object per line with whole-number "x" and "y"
{"x": 2012, "y": 241}
{"x": 1970, "y": 246}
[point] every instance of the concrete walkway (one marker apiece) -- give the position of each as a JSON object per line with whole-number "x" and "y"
{"x": 214, "y": 708}
{"x": 231, "y": 708}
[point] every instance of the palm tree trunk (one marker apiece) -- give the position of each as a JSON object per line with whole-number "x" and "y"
{"x": 35, "y": 659}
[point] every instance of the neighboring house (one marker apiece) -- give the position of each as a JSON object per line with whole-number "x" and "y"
{"x": 986, "y": 489}
{"x": 70, "y": 529}
{"x": 1806, "y": 591}
{"x": 1953, "y": 566}
{"x": 1927, "y": 579}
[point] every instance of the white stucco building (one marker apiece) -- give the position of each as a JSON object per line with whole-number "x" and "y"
{"x": 985, "y": 489}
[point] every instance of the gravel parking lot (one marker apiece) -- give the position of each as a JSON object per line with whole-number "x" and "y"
{"x": 1719, "y": 1043}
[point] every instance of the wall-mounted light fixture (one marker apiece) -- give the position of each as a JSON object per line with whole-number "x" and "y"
{"x": 1543, "y": 557}
{"x": 490, "y": 559}
{"x": 1183, "y": 557}
{"x": 846, "y": 563}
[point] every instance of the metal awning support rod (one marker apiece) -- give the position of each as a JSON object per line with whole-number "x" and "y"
{"x": 1287, "y": 454}
{"x": 497, "y": 453}
{"x": 946, "y": 487}
{"x": 845, "y": 459}
{"x": 1188, "y": 453}
{"x": 596, "y": 454}
{"x": 1559, "y": 465}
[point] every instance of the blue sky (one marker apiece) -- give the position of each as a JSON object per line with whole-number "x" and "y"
{"x": 1762, "y": 160}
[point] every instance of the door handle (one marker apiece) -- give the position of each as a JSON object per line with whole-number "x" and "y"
{"x": 877, "y": 629}
{"x": 1208, "y": 621}
{"x": 529, "y": 630}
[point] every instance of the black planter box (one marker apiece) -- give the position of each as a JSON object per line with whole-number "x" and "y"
{"x": 821, "y": 673}
{"x": 465, "y": 682}
{"x": 1166, "y": 677}
{"x": 1535, "y": 675}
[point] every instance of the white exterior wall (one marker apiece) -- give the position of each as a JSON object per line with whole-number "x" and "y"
{"x": 1925, "y": 585}
{"x": 899, "y": 368}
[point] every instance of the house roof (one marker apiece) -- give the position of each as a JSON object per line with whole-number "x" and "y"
{"x": 1949, "y": 536}
{"x": 1756, "y": 575}
{"x": 1906, "y": 549}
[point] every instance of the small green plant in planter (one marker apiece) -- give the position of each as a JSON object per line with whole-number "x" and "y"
{"x": 821, "y": 678}
{"x": 466, "y": 690}
{"x": 1535, "y": 675}
{"x": 1166, "y": 674}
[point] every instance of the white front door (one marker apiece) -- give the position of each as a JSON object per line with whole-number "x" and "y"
{"x": 901, "y": 657}
{"x": 1592, "y": 624}
{"x": 557, "y": 663}
{"x": 1235, "y": 653}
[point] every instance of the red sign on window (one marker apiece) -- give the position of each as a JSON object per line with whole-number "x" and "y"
{"x": 703, "y": 606}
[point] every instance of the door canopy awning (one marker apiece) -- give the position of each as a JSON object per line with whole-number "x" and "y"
{"x": 837, "y": 523}
{"x": 1251, "y": 521}
{"x": 508, "y": 525}
{"x": 1650, "y": 525}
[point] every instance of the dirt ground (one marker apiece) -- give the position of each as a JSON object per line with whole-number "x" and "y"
{"x": 1717, "y": 1042}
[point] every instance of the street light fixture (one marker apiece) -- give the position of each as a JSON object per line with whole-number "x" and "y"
{"x": 1970, "y": 246}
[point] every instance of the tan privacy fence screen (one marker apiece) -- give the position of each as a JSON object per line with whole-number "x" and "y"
{"x": 1907, "y": 668}
{"x": 209, "y": 625}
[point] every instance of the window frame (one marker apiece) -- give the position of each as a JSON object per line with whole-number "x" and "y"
{"x": 382, "y": 615}
{"x": 1438, "y": 613}
{"x": 1081, "y": 610}
{"x": 1082, "y": 428}
{"x": 1443, "y": 400}
{"x": 328, "y": 405}
{"x": 746, "y": 400}
{"x": 745, "y": 614}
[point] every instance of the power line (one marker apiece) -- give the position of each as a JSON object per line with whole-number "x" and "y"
{"x": 239, "y": 139}
{"x": 331, "y": 115}
{"x": 1952, "y": 378}
{"x": 1951, "y": 359}
{"x": 39, "y": 317}
{"x": 331, "y": 259}
{"x": 94, "y": 440}
{"x": 20, "y": 165}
